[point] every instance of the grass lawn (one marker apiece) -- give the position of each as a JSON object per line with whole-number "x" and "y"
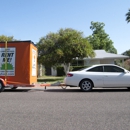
{"x": 50, "y": 79}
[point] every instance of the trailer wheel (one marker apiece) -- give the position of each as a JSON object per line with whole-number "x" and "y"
{"x": 14, "y": 88}
{"x": 2, "y": 87}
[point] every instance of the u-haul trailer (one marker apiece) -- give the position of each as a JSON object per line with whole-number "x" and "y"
{"x": 18, "y": 64}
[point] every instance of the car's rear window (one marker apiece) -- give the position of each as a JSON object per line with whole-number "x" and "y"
{"x": 96, "y": 69}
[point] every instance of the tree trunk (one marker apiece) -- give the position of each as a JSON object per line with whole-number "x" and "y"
{"x": 40, "y": 70}
{"x": 66, "y": 67}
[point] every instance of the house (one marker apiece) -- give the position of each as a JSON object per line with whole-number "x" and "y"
{"x": 103, "y": 57}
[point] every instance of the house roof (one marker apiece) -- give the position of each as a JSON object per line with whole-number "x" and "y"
{"x": 102, "y": 54}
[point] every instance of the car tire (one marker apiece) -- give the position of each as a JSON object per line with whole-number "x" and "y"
{"x": 2, "y": 87}
{"x": 86, "y": 85}
{"x": 14, "y": 88}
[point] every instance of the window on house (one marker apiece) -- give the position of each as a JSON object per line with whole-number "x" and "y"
{"x": 77, "y": 63}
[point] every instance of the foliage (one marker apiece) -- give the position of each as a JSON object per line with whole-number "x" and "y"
{"x": 127, "y": 53}
{"x": 62, "y": 47}
{"x": 60, "y": 71}
{"x": 75, "y": 68}
{"x": 4, "y": 38}
{"x": 127, "y": 61}
{"x": 100, "y": 39}
{"x": 128, "y": 16}
{"x": 127, "y": 64}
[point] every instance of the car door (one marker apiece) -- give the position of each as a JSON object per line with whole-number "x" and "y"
{"x": 96, "y": 75}
{"x": 115, "y": 77}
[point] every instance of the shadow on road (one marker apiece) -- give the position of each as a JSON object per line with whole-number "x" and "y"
{"x": 95, "y": 90}
{"x": 23, "y": 90}
{"x": 17, "y": 90}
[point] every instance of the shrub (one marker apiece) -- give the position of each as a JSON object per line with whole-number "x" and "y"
{"x": 60, "y": 69}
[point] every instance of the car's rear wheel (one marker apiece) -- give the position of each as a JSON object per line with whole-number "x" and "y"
{"x": 1, "y": 87}
{"x": 86, "y": 85}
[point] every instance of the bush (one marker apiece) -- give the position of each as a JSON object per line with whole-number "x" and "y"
{"x": 75, "y": 68}
{"x": 60, "y": 69}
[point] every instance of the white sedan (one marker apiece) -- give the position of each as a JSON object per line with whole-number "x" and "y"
{"x": 102, "y": 75}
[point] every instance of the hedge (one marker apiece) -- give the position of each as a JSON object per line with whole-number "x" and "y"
{"x": 60, "y": 69}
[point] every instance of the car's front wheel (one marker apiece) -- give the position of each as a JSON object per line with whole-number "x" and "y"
{"x": 86, "y": 85}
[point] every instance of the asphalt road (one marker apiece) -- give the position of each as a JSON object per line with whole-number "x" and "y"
{"x": 70, "y": 109}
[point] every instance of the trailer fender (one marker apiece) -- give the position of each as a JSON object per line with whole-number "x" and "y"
{"x": 3, "y": 82}
{"x": 2, "y": 85}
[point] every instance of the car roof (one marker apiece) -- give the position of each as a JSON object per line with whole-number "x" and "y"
{"x": 102, "y": 65}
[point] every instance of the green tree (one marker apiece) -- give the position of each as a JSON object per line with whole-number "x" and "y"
{"x": 127, "y": 61}
{"x": 128, "y": 16}
{"x": 4, "y": 38}
{"x": 99, "y": 38}
{"x": 62, "y": 47}
{"x": 127, "y": 53}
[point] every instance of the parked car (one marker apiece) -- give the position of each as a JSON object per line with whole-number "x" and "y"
{"x": 102, "y": 75}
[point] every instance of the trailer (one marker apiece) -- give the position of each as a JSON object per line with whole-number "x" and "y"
{"x": 18, "y": 64}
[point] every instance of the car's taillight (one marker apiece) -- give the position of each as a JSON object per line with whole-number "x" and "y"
{"x": 69, "y": 75}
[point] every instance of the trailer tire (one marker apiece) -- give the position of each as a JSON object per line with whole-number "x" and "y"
{"x": 14, "y": 88}
{"x": 2, "y": 87}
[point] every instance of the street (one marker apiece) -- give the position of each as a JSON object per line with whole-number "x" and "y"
{"x": 64, "y": 109}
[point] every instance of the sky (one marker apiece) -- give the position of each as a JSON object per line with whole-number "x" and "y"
{"x": 34, "y": 19}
